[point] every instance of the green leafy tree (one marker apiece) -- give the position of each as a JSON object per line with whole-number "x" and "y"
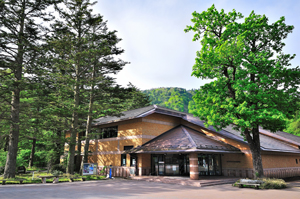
{"x": 293, "y": 125}
{"x": 173, "y": 98}
{"x": 252, "y": 85}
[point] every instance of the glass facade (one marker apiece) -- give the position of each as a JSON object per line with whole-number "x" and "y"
{"x": 179, "y": 165}
{"x": 171, "y": 164}
{"x": 209, "y": 164}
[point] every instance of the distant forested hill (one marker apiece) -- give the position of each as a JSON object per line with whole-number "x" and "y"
{"x": 180, "y": 99}
{"x": 172, "y": 97}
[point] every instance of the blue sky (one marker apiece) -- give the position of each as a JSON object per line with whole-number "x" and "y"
{"x": 160, "y": 53}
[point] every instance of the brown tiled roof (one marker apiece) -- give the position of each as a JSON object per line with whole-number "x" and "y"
{"x": 280, "y": 141}
{"x": 288, "y": 136}
{"x": 184, "y": 139}
{"x": 138, "y": 113}
{"x": 125, "y": 116}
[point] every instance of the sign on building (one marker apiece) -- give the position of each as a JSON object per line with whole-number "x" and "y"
{"x": 89, "y": 169}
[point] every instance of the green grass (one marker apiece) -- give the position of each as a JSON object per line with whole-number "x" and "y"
{"x": 28, "y": 178}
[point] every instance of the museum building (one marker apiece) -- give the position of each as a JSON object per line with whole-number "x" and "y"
{"x": 155, "y": 140}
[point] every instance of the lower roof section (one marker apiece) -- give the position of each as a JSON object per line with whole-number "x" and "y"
{"x": 183, "y": 139}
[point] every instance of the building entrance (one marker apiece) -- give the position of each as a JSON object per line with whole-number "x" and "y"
{"x": 170, "y": 165}
{"x": 179, "y": 165}
{"x": 209, "y": 165}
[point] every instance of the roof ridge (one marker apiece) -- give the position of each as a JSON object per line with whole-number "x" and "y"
{"x": 212, "y": 137}
{"x": 189, "y": 136}
{"x": 277, "y": 137}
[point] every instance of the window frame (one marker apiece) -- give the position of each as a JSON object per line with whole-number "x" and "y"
{"x": 123, "y": 156}
{"x": 105, "y": 132}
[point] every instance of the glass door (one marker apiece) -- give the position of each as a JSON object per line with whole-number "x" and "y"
{"x": 161, "y": 165}
{"x": 209, "y": 164}
{"x": 158, "y": 165}
{"x": 203, "y": 164}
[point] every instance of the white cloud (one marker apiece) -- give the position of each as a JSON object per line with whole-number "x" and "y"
{"x": 161, "y": 54}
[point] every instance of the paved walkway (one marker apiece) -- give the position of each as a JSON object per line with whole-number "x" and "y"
{"x": 119, "y": 188}
{"x": 203, "y": 181}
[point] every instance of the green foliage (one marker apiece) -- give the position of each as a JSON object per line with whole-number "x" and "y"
{"x": 56, "y": 172}
{"x": 58, "y": 167}
{"x": 135, "y": 98}
{"x": 2, "y": 158}
{"x": 23, "y": 157}
{"x": 267, "y": 183}
{"x": 293, "y": 125}
{"x": 251, "y": 85}
{"x": 21, "y": 33}
{"x": 95, "y": 177}
{"x": 273, "y": 183}
{"x": 174, "y": 98}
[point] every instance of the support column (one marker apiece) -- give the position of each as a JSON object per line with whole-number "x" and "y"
{"x": 194, "y": 169}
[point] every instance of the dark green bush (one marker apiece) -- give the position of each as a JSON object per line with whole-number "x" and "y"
{"x": 2, "y": 158}
{"x": 56, "y": 173}
{"x": 268, "y": 183}
{"x": 273, "y": 183}
{"x": 1, "y": 170}
{"x": 58, "y": 167}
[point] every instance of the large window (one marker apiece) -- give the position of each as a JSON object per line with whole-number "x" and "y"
{"x": 107, "y": 132}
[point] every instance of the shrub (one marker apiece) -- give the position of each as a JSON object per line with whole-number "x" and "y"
{"x": 56, "y": 173}
{"x": 1, "y": 170}
{"x": 268, "y": 183}
{"x": 273, "y": 183}
{"x": 58, "y": 167}
{"x": 3, "y": 158}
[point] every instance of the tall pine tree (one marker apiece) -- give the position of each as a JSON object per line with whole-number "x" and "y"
{"x": 20, "y": 34}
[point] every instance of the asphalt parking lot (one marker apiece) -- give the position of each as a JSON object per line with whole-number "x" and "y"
{"x": 120, "y": 188}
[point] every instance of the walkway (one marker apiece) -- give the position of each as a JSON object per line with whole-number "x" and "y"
{"x": 204, "y": 180}
{"x": 132, "y": 189}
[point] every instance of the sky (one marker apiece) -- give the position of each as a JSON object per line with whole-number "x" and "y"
{"x": 160, "y": 53}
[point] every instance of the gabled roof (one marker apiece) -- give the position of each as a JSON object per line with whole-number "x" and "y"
{"x": 279, "y": 141}
{"x": 184, "y": 139}
{"x": 127, "y": 115}
{"x": 138, "y": 113}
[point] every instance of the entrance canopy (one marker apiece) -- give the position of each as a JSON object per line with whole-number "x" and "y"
{"x": 183, "y": 139}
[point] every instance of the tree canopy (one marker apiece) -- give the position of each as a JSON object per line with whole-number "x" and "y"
{"x": 253, "y": 84}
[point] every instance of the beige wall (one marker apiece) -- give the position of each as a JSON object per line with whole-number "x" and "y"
{"x": 279, "y": 161}
{"x": 109, "y": 152}
{"x": 152, "y": 125}
{"x": 105, "y": 160}
{"x": 236, "y": 160}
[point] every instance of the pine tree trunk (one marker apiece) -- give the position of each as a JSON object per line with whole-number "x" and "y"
{"x": 11, "y": 159}
{"x": 88, "y": 124}
{"x": 74, "y": 125}
{"x": 78, "y": 152}
{"x": 254, "y": 143}
{"x": 88, "y": 129}
{"x": 72, "y": 144}
{"x": 32, "y": 153}
{"x": 59, "y": 147}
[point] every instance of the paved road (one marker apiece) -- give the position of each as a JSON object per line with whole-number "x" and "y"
{"x": 141, "y": 190}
